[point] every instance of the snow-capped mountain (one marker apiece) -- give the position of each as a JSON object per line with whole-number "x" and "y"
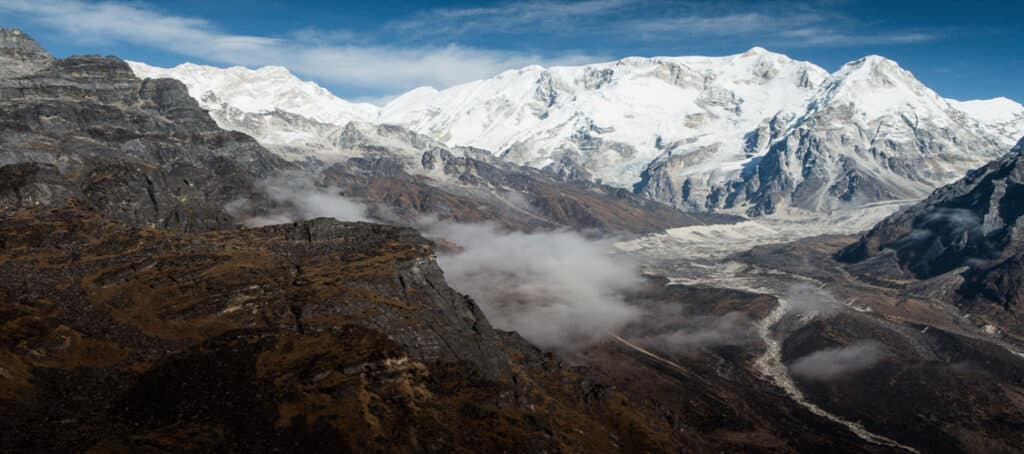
{"x": 873, "y": 133}
{"x": 262, "y": 90}
{"x": 752, "y": 132}
{"x": 296, "y": 118}
{"x": 1004, "y": 117}
{"x": 610, "y": 120}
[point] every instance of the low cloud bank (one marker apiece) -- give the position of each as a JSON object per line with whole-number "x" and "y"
{"x": 558, "y": 289}
{"x": 301, "y": 199}
{"x": 681, "y": 332}
{"x": 810, "y": 299}
{"x": 834, "y": 363}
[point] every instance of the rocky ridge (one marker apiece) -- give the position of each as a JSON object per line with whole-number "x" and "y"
{"x": 85, "y": 129}
{"x": 972, "y": 228}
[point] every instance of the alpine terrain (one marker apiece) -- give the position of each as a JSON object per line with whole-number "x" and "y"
{"x": 738, "y": 253}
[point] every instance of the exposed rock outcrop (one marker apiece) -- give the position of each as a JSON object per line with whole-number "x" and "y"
{"x": 85, "y": 128}
{"x": 20, "y": 54}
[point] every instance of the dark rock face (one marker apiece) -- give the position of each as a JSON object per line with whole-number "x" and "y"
{"x": 317, "y": 336}
{"x": 974, "y": 223}
{"x": 86, "y": 129}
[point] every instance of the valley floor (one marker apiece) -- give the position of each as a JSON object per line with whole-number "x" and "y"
{"x": 943, "y": 380}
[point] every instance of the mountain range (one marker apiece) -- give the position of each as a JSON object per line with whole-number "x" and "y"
{"x": 754, "y": 133}
{"x": 169, "y": 283}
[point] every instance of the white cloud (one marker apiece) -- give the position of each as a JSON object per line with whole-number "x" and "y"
{"x": 778, "y": 24}
{"x": 833, "y": 363}
{"x": 297, "y": 198}
{"x": 558, "y": 289}
{"x": 805, "y": 28}
{"x": 717, "y": 25}
{"x": 307, "y": 52}
{"x": 819, "y": 37}
{"x": 516, "y": 17}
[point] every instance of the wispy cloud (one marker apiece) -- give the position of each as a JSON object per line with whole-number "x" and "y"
{"x": 323, "y": 56}
{"x": 820, "y": 37}
{"x": 834, "y": 363}
{"x": 803, "y": 28}
{"x": 779, "y": 24}
{"x": 430, "y": 47}
{"x": 509, "y": 18}
{"x": 558, "y": 289}
{"x": 714, "y": 25}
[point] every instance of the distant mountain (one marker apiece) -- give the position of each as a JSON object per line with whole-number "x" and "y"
{"x": 755, "y": 132}
{"x": 1002, "y": 116}
{"x": 873, "y": 133}
{"x": 411, "y": 174}
{"x": 610, "y": 120}
{"x": 298, "y": 119}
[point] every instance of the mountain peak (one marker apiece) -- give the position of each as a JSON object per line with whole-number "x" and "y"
{"x": 1000, "y": 112}
{"x": 763, "y": 54}
{"x": 875, "y": 67}
{"x": 880, "y": 86}
{"x": 12, "y": 38}
{"x": 262, "y": 90}
{"x": 20, "y": 54}
{"x": 277, "y": 71}
{"x": 756, "y": 50}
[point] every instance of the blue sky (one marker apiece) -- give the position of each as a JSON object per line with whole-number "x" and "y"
{"x": 373, "y": 50}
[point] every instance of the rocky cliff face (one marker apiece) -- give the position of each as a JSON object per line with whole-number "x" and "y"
{"x": 971, "y": 227}
{"x": 86, "y": 129}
